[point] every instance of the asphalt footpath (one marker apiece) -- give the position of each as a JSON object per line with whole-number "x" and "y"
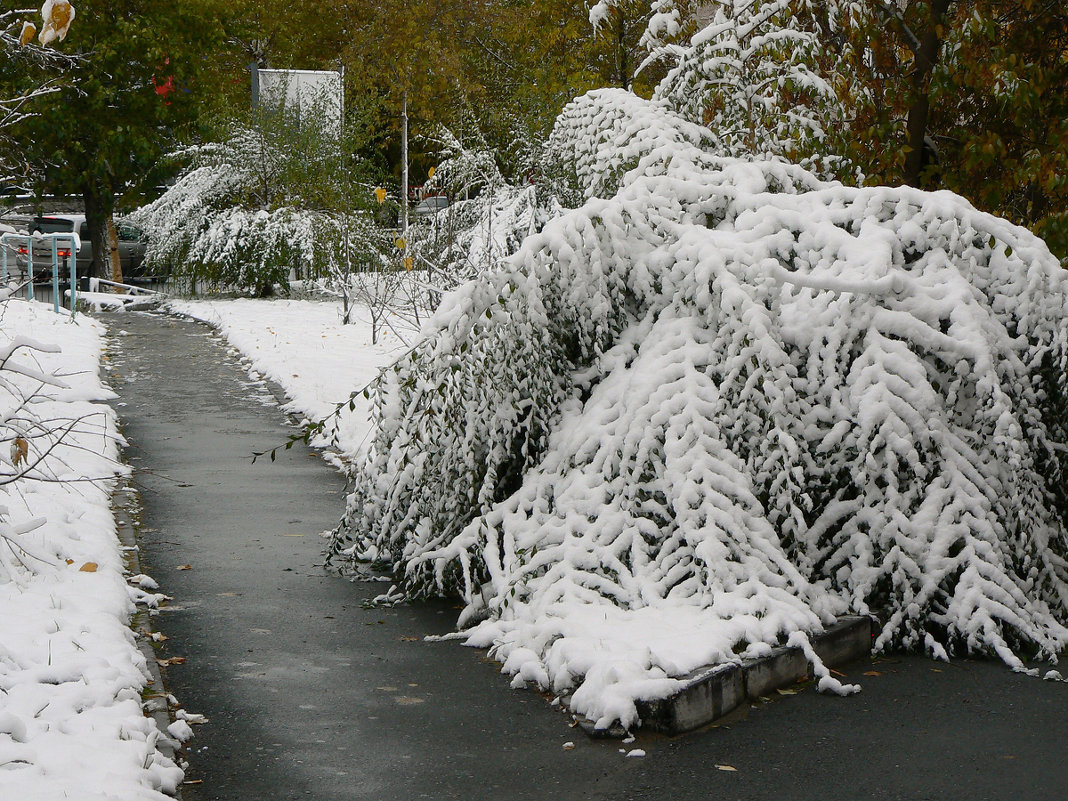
{"x": 309, "y": 694}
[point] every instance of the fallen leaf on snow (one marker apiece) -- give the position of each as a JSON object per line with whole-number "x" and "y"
{"x": 88, "y": 567}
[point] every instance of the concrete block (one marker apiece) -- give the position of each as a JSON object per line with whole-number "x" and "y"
{"x": 846, "y": 641}
{"x": 781, "y": 668}
{"x": 708, "y": 694}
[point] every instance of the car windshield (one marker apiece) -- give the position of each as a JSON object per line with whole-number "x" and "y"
{"x": 129, "y": 233}
{"x": 53, "y": 225}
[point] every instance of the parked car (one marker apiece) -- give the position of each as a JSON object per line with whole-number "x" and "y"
{"x": 431, "y": 205}
{"x": 131, "y": 245}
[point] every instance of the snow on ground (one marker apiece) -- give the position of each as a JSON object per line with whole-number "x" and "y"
{"x": 71, "y": 676}
{"x": 302, "y": 346}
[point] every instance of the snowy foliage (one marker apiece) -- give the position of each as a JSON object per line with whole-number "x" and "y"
{"x": 487, "y": 220}
{"x": 240, "y": 216}
{"x": 725, "y": 405}
{"x": 604, "y": 135}
{"x": 752, "y": 77}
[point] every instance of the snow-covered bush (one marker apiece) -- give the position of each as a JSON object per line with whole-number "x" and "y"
{"x": 248, "y": 211}
{"x": 602, "y": 136}
{"x": 725, "y": 405}
{"x": 486, "y": 221}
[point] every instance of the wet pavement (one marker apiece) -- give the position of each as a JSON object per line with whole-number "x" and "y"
{"x": 311, "y": 695}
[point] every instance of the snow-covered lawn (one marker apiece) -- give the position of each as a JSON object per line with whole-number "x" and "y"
{"x": 71, "y": 676}
{"x": 302, "y": 346}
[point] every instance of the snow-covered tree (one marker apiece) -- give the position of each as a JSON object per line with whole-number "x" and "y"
{"x": 722, "y": 406}
{"x": 753, "y": 77}
{"x": 273, "y": 197}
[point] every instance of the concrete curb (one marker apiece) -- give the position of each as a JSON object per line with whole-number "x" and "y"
{"x": 124, "y": 502}
{"x": 711, "y": 693}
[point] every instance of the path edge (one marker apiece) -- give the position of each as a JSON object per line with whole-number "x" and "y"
{"x": 125, "y": 500}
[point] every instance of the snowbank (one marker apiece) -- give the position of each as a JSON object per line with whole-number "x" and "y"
{"x": 71, "y": 676}
{"x": 729, "y": 403}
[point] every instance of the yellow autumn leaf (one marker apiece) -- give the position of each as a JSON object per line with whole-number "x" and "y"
{"x": 58, "y": 15}
{"x": 29, "y": 30}
{"x": 88, "y": 567}
{"x": 380, "y": 195}
{"x": 20, "y": 451}
{"x": 185, "y": 567}
{"x": 727, "y": 768}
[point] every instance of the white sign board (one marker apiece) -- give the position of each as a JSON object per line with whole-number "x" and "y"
{"x": 304, "y": 91}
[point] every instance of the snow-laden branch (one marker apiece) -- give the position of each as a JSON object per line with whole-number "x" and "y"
{"x": 635, "y": 448}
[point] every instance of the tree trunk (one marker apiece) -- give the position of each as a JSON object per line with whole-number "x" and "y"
{"x": 926, "y": 58}
{"x": 113, "y": 251}
{"x": 404, "y": 165}
{"x": 99, "y": 219}
{"x": 622, "y": 62}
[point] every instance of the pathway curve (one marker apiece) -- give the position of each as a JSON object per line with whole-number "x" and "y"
{"x": 310, "y": 695}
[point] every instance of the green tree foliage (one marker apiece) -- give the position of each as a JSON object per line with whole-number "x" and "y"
{"x": 964, "y": 96}
{"x": 752, "y": 76}
{"x": 28, "y": 72}
{"x": 144, "y": 70}
{"x": 1000, "y": 113}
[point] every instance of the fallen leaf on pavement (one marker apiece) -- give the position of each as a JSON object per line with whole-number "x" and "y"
{"x": 409, "y": 639}
{"x": 872, "y": 673}
{"x": 158, "y": 636}
{"x": 173, "y": 660}
{"x": 185, "y": 567}
{"x": 727, "y": 768}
